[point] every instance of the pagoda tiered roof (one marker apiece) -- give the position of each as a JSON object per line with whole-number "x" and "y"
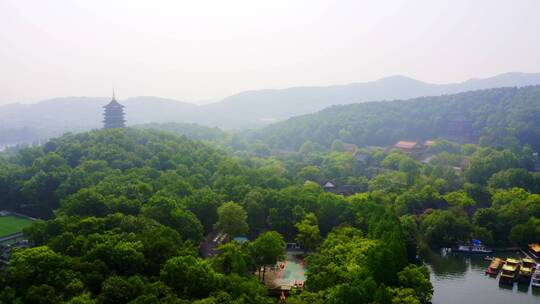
{"x": 113, "y": 117}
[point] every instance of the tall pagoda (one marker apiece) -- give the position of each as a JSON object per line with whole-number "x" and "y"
{"x": 113, "y": 117}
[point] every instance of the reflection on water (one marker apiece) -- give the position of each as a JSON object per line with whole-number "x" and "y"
{"x": 459, "y": 278}
{"x": 443, "y": 266}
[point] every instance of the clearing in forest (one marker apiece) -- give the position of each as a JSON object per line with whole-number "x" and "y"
{"x": 10, "y": 224}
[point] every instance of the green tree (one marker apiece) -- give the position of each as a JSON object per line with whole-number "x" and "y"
{"x": 42, "y": 294}
{"x": 267, "y": 249}
{"x": 410, "y": 232}
{"x": 338, "y": 146}
{"x": 308, "y": 235}
{"x": 526, "y": 233}
{"x": 459, "y": 199}
{"x": 168, "y": 212}
{"x": 204, "y": 203}
{"x": 332, "y": 211}
{"x": 84, "y": 298}
{"x": 514, "y": 177}
{"x": 48, "y": 172}
{"x": 256, "y": 213}
{"x": 232, "y": 219}
{"x": 37, "y": 266}
{"x": 189, "y": 276}
{"x": 311, "y": 173}
{"x": 118, "y": 289}
{"x": 417, "y": 278}
{"x": 307, "y": 148}
{"x": 86, "y": 202}
{"x": 411, "y": 168}
{"x": 404, "y": 296}
{"x": 232, "y": 258}
{"x": 445, "y": 228}
{"x": 124, "y": 257}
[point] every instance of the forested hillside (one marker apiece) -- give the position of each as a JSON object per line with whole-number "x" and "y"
{"x": 126, "y": 209}
{"x": 295, "y": 156}
{"x": 498, "y": 117}
{"x": 190, "y": 130}
{"x": 274, "y": 105}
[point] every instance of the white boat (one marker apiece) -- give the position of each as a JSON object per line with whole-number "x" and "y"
{"x": 481, "y": 249}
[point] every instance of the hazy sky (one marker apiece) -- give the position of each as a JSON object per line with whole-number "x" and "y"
{"x": 205, "y": 50}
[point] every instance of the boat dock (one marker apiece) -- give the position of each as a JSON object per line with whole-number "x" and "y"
{"x": 525, "y": 252}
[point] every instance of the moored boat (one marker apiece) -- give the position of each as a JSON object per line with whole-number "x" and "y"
{"x": 535, "y": 281}
{"x": 480, "y": 249}
{"x": 525, "y": 274}
{"x": 509, "y": 271}
{"x": 534, "y": 250}
{"x": 494, "y": 267}
{"x": 526, "y": 270}
{"x": 529, "y": 263}
{"x": 476, "y": 247}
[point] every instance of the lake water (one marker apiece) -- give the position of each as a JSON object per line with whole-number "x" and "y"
{"x": 459, "y": 278}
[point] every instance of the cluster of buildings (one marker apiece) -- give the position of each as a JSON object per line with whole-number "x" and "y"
{"x": 7, "y": 244}
{"x": 418, "y": 149}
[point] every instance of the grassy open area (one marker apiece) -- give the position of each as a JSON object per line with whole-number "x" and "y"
{"x": 11, "y": 224}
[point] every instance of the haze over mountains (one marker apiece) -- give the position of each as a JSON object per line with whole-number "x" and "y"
{"x": 28, "y": 122}
{"x": 498, "y": 117}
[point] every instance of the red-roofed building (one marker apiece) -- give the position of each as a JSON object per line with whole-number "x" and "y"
{"x": 408, "y": 146}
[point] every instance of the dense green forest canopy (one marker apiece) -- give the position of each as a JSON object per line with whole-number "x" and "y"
{"x": 190, "y": 130}
{"x": 124, "y": 210}
{"x": 128, "y": 208}
{"x": 497, "y": 117}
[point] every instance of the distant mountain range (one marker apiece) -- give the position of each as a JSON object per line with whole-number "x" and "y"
{"x": 26, "y": 122}
{"x": 285, "y": 103}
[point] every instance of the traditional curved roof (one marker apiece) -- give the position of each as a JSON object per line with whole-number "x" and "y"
{"x": 113, "y": 104}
